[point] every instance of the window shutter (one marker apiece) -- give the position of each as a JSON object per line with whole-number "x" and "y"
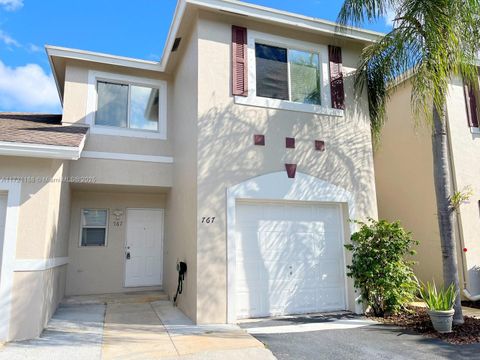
{"x": 336, "y": 77}
{"x": 239, "y": 61}
{"x": 471, "y": 103}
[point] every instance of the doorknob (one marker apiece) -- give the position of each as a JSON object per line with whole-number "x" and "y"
{"x": 128, "y": 255}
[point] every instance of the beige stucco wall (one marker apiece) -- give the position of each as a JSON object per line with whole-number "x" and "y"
{"x": 465, "y": 148}
{"x": 112, "y": 171}
{"x": 227, "y": 156}
{"x": 404, "y": 178}
{"x": 181, "y": 214}
{"x": 41, "y": 234}
{"x": 99, "y": 270}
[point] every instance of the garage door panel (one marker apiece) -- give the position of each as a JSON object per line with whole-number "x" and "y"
{"x": 289, "y": 259}
{"x": 331, "y": 272}
{"x": 328, "y": 298}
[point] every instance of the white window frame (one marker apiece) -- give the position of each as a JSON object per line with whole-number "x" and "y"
{"x": 92, "y": 100}
{"x": 93, "y": 227}
{"x": 252, "y": 99}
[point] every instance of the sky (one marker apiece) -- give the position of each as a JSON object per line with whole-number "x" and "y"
{"x": 135, "y": 29}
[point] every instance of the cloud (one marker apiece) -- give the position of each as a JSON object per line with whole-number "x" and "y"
{"x": 27, "y": 88}
{"x": 11, "y": 5}
{"x": 8, "y": 40}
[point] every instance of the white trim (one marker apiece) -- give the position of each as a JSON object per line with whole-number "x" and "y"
{"x": 288, "y": 18}
{"x": 474, "y": 130}
{"x": 63, "y": 52}
{"x": 39, "y": 264}
{"x": 277, "y": 186}
{"x": 40, "y": 150}
{"x": 8, "y": 256}
{"x": 161, "y": 85}
{"x": 127, "y": 157}
{"x": 253, "y": 100}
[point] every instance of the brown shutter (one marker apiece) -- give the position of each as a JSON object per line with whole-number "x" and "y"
{"x": 336, "y": 77}
{"x": 471, "y": 103}
{"x": 239, "y": 61}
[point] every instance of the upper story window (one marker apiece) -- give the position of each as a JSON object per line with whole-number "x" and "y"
{"x": 126, "y": 106}
{"x": 287, "y": 74}
{"x": 284, "y": 73}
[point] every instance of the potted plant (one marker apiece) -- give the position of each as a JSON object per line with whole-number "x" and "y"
{"x": 440, "y": 305}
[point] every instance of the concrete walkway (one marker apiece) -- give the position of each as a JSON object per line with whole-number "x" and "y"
{"x": 141, "y": 330}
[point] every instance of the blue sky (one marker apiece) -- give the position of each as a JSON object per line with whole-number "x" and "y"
{"x": 121, "y": 27}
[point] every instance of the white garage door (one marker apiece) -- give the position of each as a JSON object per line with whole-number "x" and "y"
{"x": 289, "y": 259}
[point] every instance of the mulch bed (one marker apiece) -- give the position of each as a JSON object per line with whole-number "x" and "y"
{"x": 417, "y": 320}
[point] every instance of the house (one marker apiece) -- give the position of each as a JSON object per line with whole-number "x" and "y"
{"x": 405, "y": 182}
{"x": 242, "y": 153}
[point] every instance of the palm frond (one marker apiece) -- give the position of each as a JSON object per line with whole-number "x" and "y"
{"x": 432, "y": 41}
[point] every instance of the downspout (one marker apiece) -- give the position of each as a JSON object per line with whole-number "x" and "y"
{"x": 458, "y": 221}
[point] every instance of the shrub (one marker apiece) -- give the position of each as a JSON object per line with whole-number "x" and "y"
{"x": 379, "y": 269}
{"x": 438, "y": 300}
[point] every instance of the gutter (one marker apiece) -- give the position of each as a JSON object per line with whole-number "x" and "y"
{"x": 39, "y": 150}
{"x": 458, "y": 222}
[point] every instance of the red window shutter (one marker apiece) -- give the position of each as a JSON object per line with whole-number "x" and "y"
{"x": 239, "y": 61}
{"x": 471, "y": 102}
{"x": 336, "y": 77}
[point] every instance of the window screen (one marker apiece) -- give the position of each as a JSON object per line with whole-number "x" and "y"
{"x": 304, "y": 77}
{"x": 94, "y": 227}
{"x": 112, "y": 107}
{"x": 272, "y": 71}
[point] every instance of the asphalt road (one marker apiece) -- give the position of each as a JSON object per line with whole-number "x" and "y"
{"x": 334, "y": 340}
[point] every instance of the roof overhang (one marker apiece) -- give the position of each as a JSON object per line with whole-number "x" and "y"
{"x": 41, "y": 150}
{"x": 58, "y": 55}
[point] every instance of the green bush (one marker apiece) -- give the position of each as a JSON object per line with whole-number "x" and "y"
{"x": 379, "y": 269}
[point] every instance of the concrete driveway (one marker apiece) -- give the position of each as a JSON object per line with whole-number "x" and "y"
{"x": 346, "y": 336}
{"x": 127, "y": 329}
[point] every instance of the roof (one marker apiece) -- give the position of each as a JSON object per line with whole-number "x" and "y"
{"x": 40, "y": 135}
{"x": 260, "y": 13}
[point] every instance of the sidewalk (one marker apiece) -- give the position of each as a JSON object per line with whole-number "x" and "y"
{"x": 147, "y": 330}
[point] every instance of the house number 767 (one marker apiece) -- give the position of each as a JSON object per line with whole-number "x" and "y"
{"x": 208, "y": 220}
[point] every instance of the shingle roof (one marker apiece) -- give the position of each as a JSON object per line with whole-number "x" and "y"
{"x": 44, "y": 129}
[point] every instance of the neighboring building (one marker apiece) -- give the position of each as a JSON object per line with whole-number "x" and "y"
{"x": 405, "y": 183}
{"x": 191, "y": 159}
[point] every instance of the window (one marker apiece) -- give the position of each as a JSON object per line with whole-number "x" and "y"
{"x": 127, "y": 106}
{"x": 287, "y": 74}
{"x": 94, "y": 227}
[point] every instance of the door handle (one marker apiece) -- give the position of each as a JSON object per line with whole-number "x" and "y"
{"x": 128, "y": 255}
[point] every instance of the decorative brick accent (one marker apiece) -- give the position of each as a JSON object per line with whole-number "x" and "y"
{"x": 259, "y": 140}
{"x": 291, "y": 170}
{"x": 319, "y": 145}
{"x": 290, "y": 143}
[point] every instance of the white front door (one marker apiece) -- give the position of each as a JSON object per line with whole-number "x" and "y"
{"x": 144, "y": 247}
{"x": 289, "y": 259}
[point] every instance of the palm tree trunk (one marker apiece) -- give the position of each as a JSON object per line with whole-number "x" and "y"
{"x": 443, "y": 190}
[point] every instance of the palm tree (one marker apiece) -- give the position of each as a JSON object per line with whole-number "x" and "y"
{"x": 431, "y": 41}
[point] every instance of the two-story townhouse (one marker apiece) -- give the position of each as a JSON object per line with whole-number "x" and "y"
{"x": 405, "y": 183}
{"x": 242, "y": 153}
